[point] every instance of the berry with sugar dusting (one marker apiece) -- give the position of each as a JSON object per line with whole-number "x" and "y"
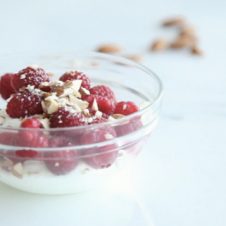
{"x": 61, "y": 162}
{"x": 104, "y": 91}
{"x": 126, "y": 108}
{"x": 76, "y": 75}
{"x": 25, "y": 103}
{"x": 29, "y": 76}
{"x": 66, "y": 118}
{"x": 6, "y": 88}
{"x": 100, "y": 157}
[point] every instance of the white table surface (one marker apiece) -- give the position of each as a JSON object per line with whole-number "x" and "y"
{"x": 182, "y": 170}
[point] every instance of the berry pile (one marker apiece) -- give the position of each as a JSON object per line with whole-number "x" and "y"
{"x": 69, "y": 102}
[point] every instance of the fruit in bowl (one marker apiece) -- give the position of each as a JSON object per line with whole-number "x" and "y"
{"x": 68, "y": 133}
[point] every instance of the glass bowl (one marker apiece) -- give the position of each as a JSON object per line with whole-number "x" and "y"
{"x": 89, "y": 163}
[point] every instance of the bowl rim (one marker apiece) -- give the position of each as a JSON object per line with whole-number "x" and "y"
{"x": 118, "y": 59}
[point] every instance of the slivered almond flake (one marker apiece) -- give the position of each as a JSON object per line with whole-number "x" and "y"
{"x": 109, "y": 48}
{"x": 85, "y": 91}
{"x": 117, "y": 116}
{"x": 18, "y": 170}
{"x": 50, "y": 106}
{"x": 95, "y": 105}
{"x": 78, "y": 104}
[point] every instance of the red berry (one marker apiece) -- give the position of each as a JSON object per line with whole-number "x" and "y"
{"x": 6, "y": 88}
{"x": 31, "y": 138}
{"x": 65, "y": 118}
{"x": 31, "y": 123}
{"x": 29, "y": 76}
{"x": 61, "y": 162}
{"x": 126, "y": 108}
{"x": 76, "y": 75}
{"x": 24, "y": 104}
{"x": 105, "y": 104}
{"x": 103, "y": 91}
{"x": 128, "y": 127}
{"x": 99, "y": 157}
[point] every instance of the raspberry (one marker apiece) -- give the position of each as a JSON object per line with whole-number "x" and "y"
{"x": 65, "y": 118}
{"x": 100, "y": 157}
{"x": 29, "y": 76}
{"x": 31, "y": 138}
{"x": 125, "y": 108}
{"x": 31, "y": 123}
{"x": 96, "y": 118}
{"x": 61, "y": 162}
{"x": 103, "y": 91}
{"x": 76, "y": 75}
{"x": 24, "y": 104}
{"x": 128, "y": 127}
{"x": 105, "y": 104}
{"x": 6, "y": 88}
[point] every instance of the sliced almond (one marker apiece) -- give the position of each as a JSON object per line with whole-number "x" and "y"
{"x": 95, "y": 105}
{"x": 50, "y": 106}
{"x": 174, "y": 21}
{"x": 158, "y": 45}
{"x": 85, "y": 91}
{"x": 18, "y": 170}
{"x": 109, "y": 48}
{"x": 117, "y": 116}
{"x": 78, "y": 104}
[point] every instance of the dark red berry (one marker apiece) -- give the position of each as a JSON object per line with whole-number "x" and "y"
{"x": 24, "y": 104}
{"x": 76, "y": 75}
{"x": 126, "y": 108}
{"x": 29, "y": 76}
{"x": 105, "y": 104}
{"x": 99, "y": 157}
{"x": 6, "y": 88}
{"x": 65, "y": 118}
{"x": 128, "y": 127}
{"x": 104, "y": 91}
{"x": 61, "y": 162}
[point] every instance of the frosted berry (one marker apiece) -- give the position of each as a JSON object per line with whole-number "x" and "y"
{"x": 29, "y": 76}
{"x": 76, "y": 75}
{"x": 100, "y": 157}
{"x": 24, "y": 104}
{"x": 65, "y": 118}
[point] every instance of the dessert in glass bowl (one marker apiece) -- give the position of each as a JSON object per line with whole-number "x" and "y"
{"x": 73, "y": 122}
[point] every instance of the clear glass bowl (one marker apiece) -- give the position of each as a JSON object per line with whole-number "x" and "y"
{"x": 91, "y": 164}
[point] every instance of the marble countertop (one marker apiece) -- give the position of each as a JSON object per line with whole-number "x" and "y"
{"x": 182, "y": 170}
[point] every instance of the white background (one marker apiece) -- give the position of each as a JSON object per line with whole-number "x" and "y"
{"x": 182, "y": 170}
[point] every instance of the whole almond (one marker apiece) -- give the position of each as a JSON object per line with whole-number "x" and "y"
{"x": 158, "y": 45}
{"x": 174, "y": 21}
{"x": 109, "y": 48}
{"x": 135, "y": 57}
{"x": 182, "y": 42}
{"x": 195, "y": 50}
